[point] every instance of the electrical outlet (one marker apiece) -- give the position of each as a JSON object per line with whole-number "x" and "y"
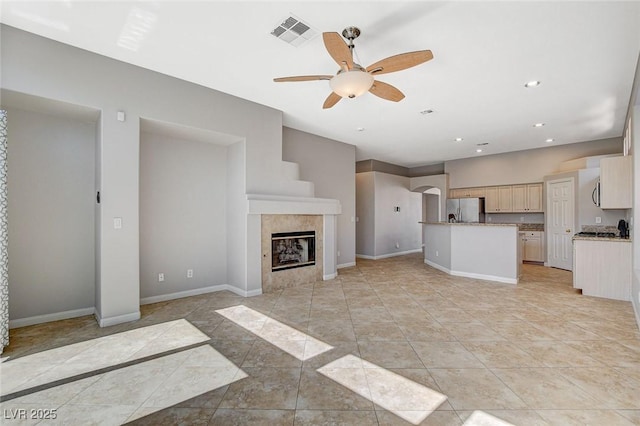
{"x": 437, "y": 253}
{"x": 160, "y": 277}
{"x": 598, "y": 219}
{"x": 189, "y": 273}
{"x": 338, "y": 253}
{"x": 521, "y": 218}
{"x": 397, "y": 244}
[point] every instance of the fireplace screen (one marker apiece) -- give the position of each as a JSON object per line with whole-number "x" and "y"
{"x": 293, "y": 250}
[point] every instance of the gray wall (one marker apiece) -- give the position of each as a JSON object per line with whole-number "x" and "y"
{"x": 51, "y": 213}
{"x": 431, "y": 207}
{"x": 396, "y": 228}
{"x": 380, "y": 228}
{"x": 236, "y": 216}
{"x": 182, "y": 214}
{"x": 522, "y": 166}
{"x": 330, "y": 165}
{"x": 365, "y": 212}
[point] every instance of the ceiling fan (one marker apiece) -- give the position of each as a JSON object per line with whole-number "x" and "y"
{"x": 352, "y": 79}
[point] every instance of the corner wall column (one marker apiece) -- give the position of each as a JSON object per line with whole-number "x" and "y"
{"x": 330, "y": 247}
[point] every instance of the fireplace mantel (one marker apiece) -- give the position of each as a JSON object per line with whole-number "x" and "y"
{"x": 259, "y": 205}
{"x": 277, "y": 204}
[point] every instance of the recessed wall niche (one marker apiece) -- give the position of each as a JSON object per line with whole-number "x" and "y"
{"x": 183, "y": 218}
{"x": 51, "y": 205}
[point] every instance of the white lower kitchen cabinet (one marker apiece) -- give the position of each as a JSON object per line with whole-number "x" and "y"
{"x": 533, "y": 246}
{"x": 602, "y": 268}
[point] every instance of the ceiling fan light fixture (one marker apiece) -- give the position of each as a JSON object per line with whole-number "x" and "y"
{"x": 351, "y": 84}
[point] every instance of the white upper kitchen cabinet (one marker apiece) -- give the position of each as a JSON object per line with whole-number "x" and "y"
{"x": 616, "y": 176}
{"x": 527, "y": 198}
{"x": 477, "y": 192}
{"x": 498, "y": 199}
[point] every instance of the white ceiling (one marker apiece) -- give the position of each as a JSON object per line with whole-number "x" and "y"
{"x": 584, "y": 53}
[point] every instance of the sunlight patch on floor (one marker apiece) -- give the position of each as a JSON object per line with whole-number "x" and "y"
{"x": 91, "y": 355}
{"x": 294, "y": 342}
{"x": 480, "y": 418}
{"x": 133, "y": 392}
{"x": 405, "y": 398}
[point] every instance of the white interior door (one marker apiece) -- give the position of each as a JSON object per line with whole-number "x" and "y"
{"x": 560, "y": 223}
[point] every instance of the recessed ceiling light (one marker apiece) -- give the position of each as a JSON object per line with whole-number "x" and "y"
{"x": 426, "y": 111}
{"x": 538, "y": 125}
{"x": 532, "y": 83}
{"x": 549, "y": 140}
{"x": 360, "y": 129}
{"x": 459, "y": 139}
{"x": 478, "y": 150}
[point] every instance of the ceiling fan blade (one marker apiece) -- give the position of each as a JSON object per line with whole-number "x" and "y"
{"x": 400, "y": 62}
{"x": 303, "y": 78}
{"x": 386, "y": 91}
{"x": 338, "y": 49}
{"x": 331, "y": 100}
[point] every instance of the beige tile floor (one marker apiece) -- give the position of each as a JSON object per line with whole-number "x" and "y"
{"x": 343, "y": 352}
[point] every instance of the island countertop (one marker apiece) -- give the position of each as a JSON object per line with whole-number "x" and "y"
{"x": 469, "y": 224}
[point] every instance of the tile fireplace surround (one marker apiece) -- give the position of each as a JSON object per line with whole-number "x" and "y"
{"x": 268, "y": 214}
{"x": 275, "y": 223}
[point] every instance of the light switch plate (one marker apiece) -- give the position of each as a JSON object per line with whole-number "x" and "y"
{"x": 117, "y": 223}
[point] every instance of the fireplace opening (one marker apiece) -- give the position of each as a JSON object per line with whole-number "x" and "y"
{"x": 293, "y": 250}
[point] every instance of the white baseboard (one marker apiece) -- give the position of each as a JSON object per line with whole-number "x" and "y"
{"x": 40, "y": 319}
{"x": 346, "y": 265}
{"x": 329, "y": 276}
{"x": 472, "y": 275}
{"x": 119, "y": 319}
{"x": 181, "y": 294}
{"x": 438, "y": 267}
{"x": 199, "y": 291}
{"x": 485, "y": 277}
{"x": 243, "y": 293}
{"x": 365, "y": 256}
{"x": 385, "y": 256}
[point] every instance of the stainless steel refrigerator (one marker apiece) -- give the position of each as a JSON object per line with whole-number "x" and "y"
{"x": 468, "y": 210}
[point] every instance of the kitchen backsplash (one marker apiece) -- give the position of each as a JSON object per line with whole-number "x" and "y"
{"x": 531, "y": 226}
{"x": 518, "y": 218}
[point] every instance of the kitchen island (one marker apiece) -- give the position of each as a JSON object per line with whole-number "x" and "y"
{"x": 476, "y": 250}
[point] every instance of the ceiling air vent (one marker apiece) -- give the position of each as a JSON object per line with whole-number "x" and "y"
{"x": 294, "y": 31}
